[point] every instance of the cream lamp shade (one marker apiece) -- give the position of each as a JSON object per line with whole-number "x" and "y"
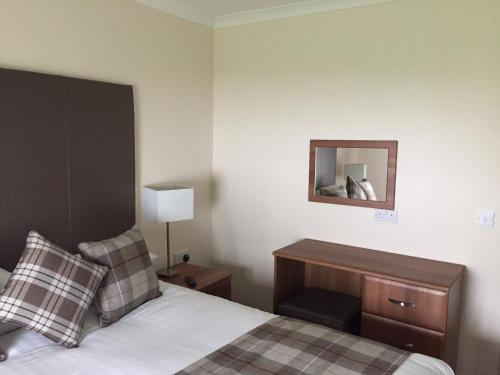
{"x": 165, "y": 204}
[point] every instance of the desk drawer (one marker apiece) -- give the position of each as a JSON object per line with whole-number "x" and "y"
{"x": 407, "y": 303}
{"x": 403, "y": 336}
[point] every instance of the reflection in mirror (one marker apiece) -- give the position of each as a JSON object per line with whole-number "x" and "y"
{"x": 353, "y": 173}
{"x": 356, "y": 173}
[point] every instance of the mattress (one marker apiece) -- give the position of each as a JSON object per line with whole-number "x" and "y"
{"x": 162, "y": 336}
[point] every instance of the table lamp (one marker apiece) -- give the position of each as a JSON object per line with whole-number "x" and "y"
{"x": 167, "y": 204}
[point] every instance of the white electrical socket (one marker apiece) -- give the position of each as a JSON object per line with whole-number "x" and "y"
{"x": 386, "y": 216}
{"x": 485, "y": 218}
{"x": 179, "y": 255}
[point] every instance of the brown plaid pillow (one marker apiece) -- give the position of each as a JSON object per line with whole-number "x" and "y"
{"x": 354, "y": 189}
{"x": 334, "y": 191}
{"x": 368, "y": 189}
{"x": 50, "y": 291}
{"x": 131, "y": 280}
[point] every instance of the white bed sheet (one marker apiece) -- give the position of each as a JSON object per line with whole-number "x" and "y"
{"x": 161, "y": 337}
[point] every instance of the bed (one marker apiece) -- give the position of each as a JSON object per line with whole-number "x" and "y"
{"x": 163, "y": 336}
{"x": 67, "y": 170}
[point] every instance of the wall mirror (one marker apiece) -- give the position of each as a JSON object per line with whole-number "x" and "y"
{"x": 355, "y": 173}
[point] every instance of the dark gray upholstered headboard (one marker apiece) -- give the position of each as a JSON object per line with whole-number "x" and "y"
{"x": 66, "y": 160}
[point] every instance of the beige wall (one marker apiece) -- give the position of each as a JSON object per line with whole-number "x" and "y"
{"x": 423, "y": 72}
{"x": 166, "y": 59}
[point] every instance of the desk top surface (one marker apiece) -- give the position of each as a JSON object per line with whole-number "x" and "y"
{"x": 421, "y": 271}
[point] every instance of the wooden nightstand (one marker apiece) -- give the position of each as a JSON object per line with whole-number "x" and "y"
{"x": 208, "y": 280}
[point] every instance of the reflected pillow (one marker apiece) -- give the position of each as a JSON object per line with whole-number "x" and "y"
{"x": 354, "y": 189}
{"x": 334, "y": 191}
{"x": 368, "y": 189}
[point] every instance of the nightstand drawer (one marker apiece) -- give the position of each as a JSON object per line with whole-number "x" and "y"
{"x": 407, "y": 303}
{"x": 403, "y": 336}
{"x": 219, "y": 289}
{"x": 208, "y": 280}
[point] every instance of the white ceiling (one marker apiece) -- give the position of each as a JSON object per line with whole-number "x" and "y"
{"x": 220, "y": 13}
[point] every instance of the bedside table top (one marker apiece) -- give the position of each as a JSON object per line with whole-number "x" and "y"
{"x": 204, "y": 276}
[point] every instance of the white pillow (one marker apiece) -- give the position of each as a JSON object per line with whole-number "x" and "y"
{"x": 5, "y": 327}
{"x": 4, "y": 276}
{"x": 153, "y": 256}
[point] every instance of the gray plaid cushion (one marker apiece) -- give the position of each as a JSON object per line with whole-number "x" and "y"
{"x": 131, "y": 280}
{"x": 334, "y": 191}
{"x": 50, "y": 291}
{"x": 354, "y": 189}
{"x": 368, "y": 189}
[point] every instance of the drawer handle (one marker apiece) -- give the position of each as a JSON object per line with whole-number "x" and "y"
{"x": 402, "y": 303}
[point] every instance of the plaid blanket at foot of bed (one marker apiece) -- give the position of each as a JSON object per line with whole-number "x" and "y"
{"x": 289, "y": 346}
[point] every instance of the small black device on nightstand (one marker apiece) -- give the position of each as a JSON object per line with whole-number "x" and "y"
{"x": 190, "y": 281}
{"x": 203, "y": 279}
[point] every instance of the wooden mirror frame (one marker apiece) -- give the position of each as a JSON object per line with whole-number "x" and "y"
{"x": 392, "y": 148}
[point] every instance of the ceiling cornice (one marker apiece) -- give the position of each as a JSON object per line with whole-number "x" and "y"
{"x": 183, "y": 10}
{"x": 290, "y": 10}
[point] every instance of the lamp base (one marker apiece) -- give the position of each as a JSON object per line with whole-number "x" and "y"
{"x": 168, "y": 272}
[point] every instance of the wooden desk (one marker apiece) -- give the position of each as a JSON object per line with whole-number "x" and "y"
{"x": 408, "y": 302}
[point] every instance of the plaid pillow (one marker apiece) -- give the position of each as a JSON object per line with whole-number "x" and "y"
{"x": 131, "y": 280}
{"x": 334, "y": 191}
{"x": 368, "y": 189}
{"x": 354, "y": 189}
{"x": 50, "y": 291}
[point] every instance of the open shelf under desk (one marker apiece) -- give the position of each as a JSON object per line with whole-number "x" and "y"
{"x": 294, "y": 275}
{"x": 332, "y": 309}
